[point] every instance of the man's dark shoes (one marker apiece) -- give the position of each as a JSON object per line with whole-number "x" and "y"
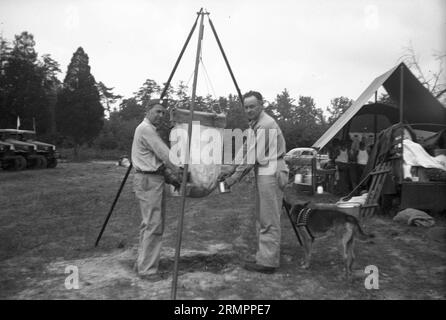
{"x": 258, "y": 268}
{"x": 151, "y": 277}
{"x": 249, "y": 259}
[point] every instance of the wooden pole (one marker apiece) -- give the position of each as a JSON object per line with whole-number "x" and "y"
{"x": 113, "y": 205}
{"x": 375, "y": 120}
{"x": 186, "y": 165}
{"x": 401, "y": 120}
{"x": 401, "y": 93}
{"x": 239, "y": 93}
{"x": 166, "y": 87}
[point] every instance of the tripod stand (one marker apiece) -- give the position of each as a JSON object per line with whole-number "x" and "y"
{"x": 200, "y": 15}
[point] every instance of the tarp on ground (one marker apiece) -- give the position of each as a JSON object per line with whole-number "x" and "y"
{"x": 420, "y": 107}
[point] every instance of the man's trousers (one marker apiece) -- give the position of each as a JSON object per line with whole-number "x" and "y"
{"x": 269, "y": 197}
{"x": 149, "y": 190}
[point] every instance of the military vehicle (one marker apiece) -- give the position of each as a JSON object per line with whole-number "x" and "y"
{"x": 38, "y": 155}
{"x": 9, "y": 159}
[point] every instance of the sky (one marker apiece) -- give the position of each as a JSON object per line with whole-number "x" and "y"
{"x": 319, "y": 48}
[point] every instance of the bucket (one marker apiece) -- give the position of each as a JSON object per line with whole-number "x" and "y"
{"x": 351, "y": 208}
{"x": 171, "y": 191}
{"x": 223, "y": 187}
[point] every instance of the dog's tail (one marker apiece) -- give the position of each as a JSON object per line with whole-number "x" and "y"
{"x": 360, "y": 234}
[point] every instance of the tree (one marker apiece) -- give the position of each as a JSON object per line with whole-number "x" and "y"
{"x": 235, "y": 117}
{"x": 21, "y": 81}
{"x": 301, "y": 123}
{"x": 181, "y": 92}
{"x": 284, "y": 108}
{"x": 79, "y": 113}
{"x": 311, "y": 120}
{"x": 338, "y": 106}
{"x": 51, "y": 84}
{"x": 107, "y": 96}
{"x": 5, "y": 52}
{"x": 147, "y": 91}
{"x": 384, "y": 98}
{"x": 170, "y": 92}
{"x": 434, "y": 81}
{"x": 117, "y": 133}
{"x": 130, "y": 109}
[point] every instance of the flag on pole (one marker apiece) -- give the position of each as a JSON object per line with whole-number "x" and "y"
{"x": 18, "y": 122}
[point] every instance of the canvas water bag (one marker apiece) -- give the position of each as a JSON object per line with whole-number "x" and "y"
{"x": 205, "y": 151}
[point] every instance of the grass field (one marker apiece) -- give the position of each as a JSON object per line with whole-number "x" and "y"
{"x": 49, "y": 219}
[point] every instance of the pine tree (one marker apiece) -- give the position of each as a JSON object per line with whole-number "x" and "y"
{"x": 338, "y": 106}
{"x": 108, "y": 98}
{"x": 285, "y": 108}
{"x": 5, "y": 52}
{"x": 51, "y": 84}
{"x": 21, "y": 80}
{"x": 79, "y": 113}
{"x": 149, "y": 90}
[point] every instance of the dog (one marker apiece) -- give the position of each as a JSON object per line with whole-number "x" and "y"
{"x": 314, "y": 222}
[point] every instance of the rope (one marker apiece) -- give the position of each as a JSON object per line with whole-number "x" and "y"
{"x": 188, "y": 81}
{"x": 208, "y": 78}
{"x": 205, "y": 79}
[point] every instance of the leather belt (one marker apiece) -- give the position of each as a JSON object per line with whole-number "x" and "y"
{"x": 262, "y": 165}
{"x": 147, "y": 172}
{"x": 160, "y": 171}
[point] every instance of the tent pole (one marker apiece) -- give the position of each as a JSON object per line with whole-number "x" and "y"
{"x": 375, "y": 126}
{"x": 375, "y": 119}
{"x": 401, "y": 92}
{"x": 401, "y": 121}
{"x": 186, "y": 165}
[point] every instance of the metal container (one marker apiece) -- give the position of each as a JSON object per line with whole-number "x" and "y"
{"x": 172, "y": 192}
{"x": 298, "y": 178}
{"x": 351, "y": 208}
{"x": 223, "y": 187}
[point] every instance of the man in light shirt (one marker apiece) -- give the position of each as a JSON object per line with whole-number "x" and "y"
{"x": 362, "y": 159}
{"x": 271, "y": 175}
{"x": 150, "y": 158}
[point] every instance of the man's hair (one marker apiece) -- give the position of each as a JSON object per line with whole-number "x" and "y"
{"x": 153, "y": 102}
{"x": 255, "y": 94}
